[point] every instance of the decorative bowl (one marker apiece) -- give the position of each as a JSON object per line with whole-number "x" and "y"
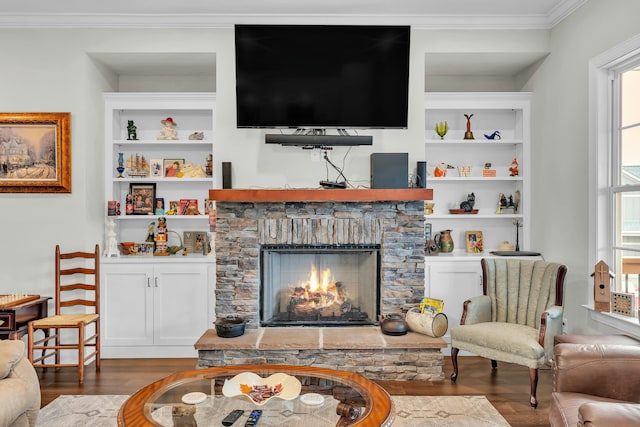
{"x": 260, "y": 390}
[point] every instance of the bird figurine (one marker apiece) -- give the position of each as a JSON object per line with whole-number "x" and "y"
{"x": 441, "y": 170}
{"x": 495, "y": 135}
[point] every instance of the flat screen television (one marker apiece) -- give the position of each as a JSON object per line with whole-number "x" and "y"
{"x": 322, "y": 76}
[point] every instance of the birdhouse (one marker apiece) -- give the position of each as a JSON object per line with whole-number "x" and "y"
{"x": 602, "y": 287}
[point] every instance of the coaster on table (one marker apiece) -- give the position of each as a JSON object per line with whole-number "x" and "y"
{"x": 313, "y": 399}
{"x": 194, "y": 398}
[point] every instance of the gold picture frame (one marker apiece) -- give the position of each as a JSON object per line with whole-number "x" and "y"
{"x": 475, "y": 243}
{"x": 35, "y": 152}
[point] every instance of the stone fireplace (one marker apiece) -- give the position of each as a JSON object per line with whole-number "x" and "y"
{"x": 384, "y": 241}
{"x": 394, "y": 228}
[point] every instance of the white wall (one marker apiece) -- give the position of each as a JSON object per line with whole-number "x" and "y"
{"x": 50, "y": 70}
{"x": 560, "y": 151}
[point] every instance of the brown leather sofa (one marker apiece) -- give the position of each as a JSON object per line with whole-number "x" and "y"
{"x": 595, "y": 382}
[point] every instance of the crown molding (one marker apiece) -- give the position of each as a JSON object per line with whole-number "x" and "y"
{"x": 203, "y": 20}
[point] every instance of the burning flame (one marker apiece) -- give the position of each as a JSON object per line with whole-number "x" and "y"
{"x": 321, "y": 291}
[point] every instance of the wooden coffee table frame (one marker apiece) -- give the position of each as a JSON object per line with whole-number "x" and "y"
{"x": 378, "y": 411}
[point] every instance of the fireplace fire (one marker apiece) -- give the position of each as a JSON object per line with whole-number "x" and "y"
{"x": 338, "y": 285}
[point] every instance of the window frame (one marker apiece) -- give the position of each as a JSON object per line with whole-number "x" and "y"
{"x": 603, "y": 107}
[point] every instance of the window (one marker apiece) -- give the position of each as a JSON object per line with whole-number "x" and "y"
{"x": 614, "y": 168}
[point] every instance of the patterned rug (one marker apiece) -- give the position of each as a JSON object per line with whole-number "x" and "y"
{"x": 411, "y": 411}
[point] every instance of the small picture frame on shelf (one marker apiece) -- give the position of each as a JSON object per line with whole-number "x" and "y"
{"x": 189, "y": 207}
{"x": 194, "y": 241}
{"x": 475, "y": 243}
{"x": 143, "y": 196}
{"x": 172, "y": 167}
{"x": 156, "y": 167}
{"x": 159, "y": 209}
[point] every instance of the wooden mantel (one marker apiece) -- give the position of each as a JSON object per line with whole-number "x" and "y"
{"x": 321, "y": 195}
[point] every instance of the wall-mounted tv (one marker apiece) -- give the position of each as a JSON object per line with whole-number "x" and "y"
{"x": 322, "y": 76}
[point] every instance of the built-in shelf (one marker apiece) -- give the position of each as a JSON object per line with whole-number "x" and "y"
{"x": 320, "y": 195}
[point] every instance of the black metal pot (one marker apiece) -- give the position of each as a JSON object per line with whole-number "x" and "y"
{"x": 393, "y": 324}
{"x": 230, "y": 327}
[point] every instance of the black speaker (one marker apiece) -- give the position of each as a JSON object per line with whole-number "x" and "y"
{"x": 226, "y": 174}
{"x": 421, "y": 175}
{"x": 389, "y": 170}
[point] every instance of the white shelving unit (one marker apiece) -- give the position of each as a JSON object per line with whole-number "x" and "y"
{"x": 157, "y": 306}
{"x": 507, "y": 113}
{"x": 457, "y": 276}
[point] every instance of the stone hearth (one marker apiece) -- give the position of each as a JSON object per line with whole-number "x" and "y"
{"x": 361, "y": 349}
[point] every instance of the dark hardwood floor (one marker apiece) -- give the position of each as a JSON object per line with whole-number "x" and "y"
{"x": 507, "y": 388}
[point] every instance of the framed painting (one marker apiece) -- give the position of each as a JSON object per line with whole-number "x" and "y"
{"x": 143, "y": 196}
{"x": 35, "y": 152}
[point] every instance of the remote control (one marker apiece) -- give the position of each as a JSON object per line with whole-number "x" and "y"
{"x": 253, "y": 418}
{"x": 232, "y": 417}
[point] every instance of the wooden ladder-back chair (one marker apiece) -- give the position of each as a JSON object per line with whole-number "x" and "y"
{"x": 73, "y": 288}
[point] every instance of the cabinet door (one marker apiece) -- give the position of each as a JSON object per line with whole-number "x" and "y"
{"x": 453, "y": 282}
{"x": 126, "y": 305}
{"x": 183, "y": 304}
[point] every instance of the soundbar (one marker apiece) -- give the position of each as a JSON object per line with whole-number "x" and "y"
{"x": 318, "y": 140}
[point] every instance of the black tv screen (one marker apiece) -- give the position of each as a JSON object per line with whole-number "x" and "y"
{"x": 322, "y": 76}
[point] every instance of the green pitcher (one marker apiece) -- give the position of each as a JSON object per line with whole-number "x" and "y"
{"x": 444, "y": 241}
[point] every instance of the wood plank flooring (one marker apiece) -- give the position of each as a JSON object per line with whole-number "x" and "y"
{"x": 507, "y": 388}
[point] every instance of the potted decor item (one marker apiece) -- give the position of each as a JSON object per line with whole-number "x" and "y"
{"x": 230, "y": 327}
{"x": 393, "y": 324}
{"x": 441, "y": 129}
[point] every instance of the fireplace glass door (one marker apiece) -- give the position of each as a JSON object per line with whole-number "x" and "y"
{"x": 319, "y": 285}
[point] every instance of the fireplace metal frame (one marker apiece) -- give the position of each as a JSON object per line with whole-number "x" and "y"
{"x": 322, "y": 249}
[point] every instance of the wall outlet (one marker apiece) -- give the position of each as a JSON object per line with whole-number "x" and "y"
{"x": 315, "y": 156}
{"x": 564, "y": 325}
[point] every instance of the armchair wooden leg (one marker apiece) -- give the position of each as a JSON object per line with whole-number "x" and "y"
{"x": 533, "y": 376}
{"x": 454, "y": 362}
{"x": 494, "y": 364}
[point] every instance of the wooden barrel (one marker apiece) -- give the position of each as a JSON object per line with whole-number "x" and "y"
{"x": 428, "y": 323}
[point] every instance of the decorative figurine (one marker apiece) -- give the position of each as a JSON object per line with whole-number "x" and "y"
{"x": 441, "y": 170}
{"x": 209, "y": 166}
{"x": 112, "y": 243}
{"x": 168, "y": 132}
{"x": 505, "y": 203}
{"x": 441, "y": 129}
{"x": 487, "y": 171}
{"x": 187, "y": 170}
{"x": 196, "y": 136}
{"x": 513, "y": 169}
{"x": 132, "y": 131}
{"x": 467, "y": 205}
{"x": 120, "y": 167}
{"x": 150, "y": 232}
{"x": 495, "y": 135}
{"x": 468, "y": 134}
{"x": 160, "y": 238}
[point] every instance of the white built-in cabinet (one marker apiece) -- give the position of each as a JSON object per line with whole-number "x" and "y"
{"x": 157, "y": 306}
{"x": 457, "y": 276}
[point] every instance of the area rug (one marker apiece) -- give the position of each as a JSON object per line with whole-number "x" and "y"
{"x": 411, "y": 411}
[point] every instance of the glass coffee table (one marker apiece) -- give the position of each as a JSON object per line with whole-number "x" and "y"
{"x": 345, "y": 399}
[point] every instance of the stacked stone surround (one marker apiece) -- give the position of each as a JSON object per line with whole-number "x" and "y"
{"x": 242, "y": 227}
{"x": 398, "y": 227}
{"x": 363, "y": 349}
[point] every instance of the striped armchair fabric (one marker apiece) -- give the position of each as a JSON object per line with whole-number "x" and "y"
{"x": 516, "y": 318}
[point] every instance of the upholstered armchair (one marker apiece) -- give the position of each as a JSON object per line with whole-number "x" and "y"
{"x": 516, "y": 318}
{"x": 19, "y": 386}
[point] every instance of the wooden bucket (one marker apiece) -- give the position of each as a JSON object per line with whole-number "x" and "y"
{"x": 427, "y": 323}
